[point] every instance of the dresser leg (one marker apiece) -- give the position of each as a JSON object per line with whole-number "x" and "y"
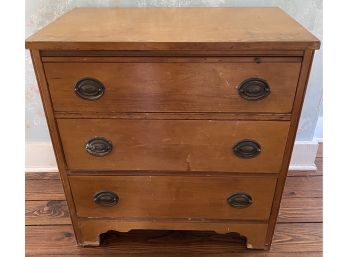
{"x": 89, "y": 243}
{"x": 89, "y": 239}
{"x": 255, "y": 234}
{"x": 256, "y": 242}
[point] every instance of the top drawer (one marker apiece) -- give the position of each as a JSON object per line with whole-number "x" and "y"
{"x": 171, "y": 84}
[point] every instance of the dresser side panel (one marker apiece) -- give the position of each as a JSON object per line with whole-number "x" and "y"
{"x": 54, "y": 134}
{"x": 297, "y": 108}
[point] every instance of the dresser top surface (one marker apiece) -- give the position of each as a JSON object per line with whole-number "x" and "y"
{"x": 244, "y": 28}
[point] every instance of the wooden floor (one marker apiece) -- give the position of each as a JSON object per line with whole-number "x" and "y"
{"x": 298, "y": 232}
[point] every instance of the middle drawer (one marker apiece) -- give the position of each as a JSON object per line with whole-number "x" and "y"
{"x": 173, "y": 145}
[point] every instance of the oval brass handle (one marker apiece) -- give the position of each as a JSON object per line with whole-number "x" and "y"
{"x": 89, "y": 89}
{"x": 254, "y": 89}
{"x": 99, "y": 146}
{"x": 106, "y": 198}
{"x": 240, "y": 200}
{"x": 247, "y": 149}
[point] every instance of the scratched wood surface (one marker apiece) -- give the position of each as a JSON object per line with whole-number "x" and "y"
{"x": 173, "y": 145}
{"x": 298, "y": 232}
{"x": 175, "y": 196}
{"x": 162, "y": 84}
{"x": 174, "y": 29}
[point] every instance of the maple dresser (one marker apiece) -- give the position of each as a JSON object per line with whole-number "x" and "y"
{"x": 173, "y": 118}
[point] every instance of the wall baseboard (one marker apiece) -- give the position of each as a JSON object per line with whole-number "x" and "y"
{"x": 303, "y": 155}
{"x": 39, "y": 157}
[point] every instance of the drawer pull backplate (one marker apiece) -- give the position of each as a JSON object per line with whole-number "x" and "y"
{"x": 89, "y": 89}
{"x": 254, "y": 89}
{"x": 106, "y": 198}
{"x": 99, "y": 146}
{"x": 240, "y": 200}
{"x": 247, "y": 149}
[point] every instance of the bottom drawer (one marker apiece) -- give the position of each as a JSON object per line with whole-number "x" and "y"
{"x": 183, "y": 197}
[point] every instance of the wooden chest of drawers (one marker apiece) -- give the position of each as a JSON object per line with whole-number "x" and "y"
{"x": 173, "y": 118}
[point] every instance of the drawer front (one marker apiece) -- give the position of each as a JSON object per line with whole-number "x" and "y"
{"x": 268, "y": 87}
{"x": 173, "y": 145}
{"x": 189, "y": 197}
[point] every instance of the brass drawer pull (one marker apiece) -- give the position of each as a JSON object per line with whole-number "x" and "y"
{"x": 89, "y": 89}
{"x": 99, "y": 146}
{"x": 106, "y": 198}
{"x": 247, "y": 149}
{"x": 254, "y": 89}
{"x": 240, "y": 200}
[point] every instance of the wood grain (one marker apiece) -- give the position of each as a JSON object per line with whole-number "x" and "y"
{"x": 173, "y": 145}
{"x": 291, "y": 173}
{"x": 174, "y": 116}
{"x": 185, "y": 198}
{"x": 51, "y": 212}
{"x": 157, "y": 53}
{"x": 174, "y": 83}
{"x": 174, "y": 29}
{"x": 172, "y": 59}
{"x": 304, "y": 187}
{"x": 42, "y": 175}
{"x": 54, "y": 134}
{"x": 298, "y": 103}
{"x": 155, "y": 86}
{"x": 301, "y": 210}
{"x": 225, "y": 254}
{"x": 291, "y": 210}
{"x": 301, "y": 237}
{"x": 254, "y": 233}
{"x": 296, "y": 187}
{"x": 45, "y": 240}
{"x": 44, "y": 189}
{"x": 288, "y": 238}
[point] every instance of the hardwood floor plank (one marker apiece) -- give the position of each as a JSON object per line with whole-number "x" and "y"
{"x": 289, "y": 238}
{"x": 42, "y": 175}
{"x": 308, "y": 186}
{"x": 46, "y": 212}
{"x": 50, "y": 189}
{"x": 242, "y": 254}
{"x": 301, "y": 210}
{"x": 302, "y": 237}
